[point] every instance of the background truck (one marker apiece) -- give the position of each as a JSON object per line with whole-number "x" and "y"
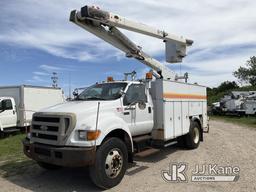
{"x": 18, "y": 103}
{"x": 236, "y": 103}
{"x": 249, "y": 104}
{"x": 111, "y": 121}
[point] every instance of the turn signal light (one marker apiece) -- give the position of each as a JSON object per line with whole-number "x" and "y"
{"x": 149, "y": 75}
{"x": 93, "y": 135}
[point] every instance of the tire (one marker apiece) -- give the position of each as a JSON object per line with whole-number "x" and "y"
{"x": 103, "y": 173}
{"x": 193, "y": 137}
{"x": 48, "y": 166}
{"x": 181, "y": 141}
{"x": 1, "y": 134}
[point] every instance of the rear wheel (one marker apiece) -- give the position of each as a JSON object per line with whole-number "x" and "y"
{"x": 110, "y": 164}
{"x": 181, "y": 141}
{"x": 48, "y": 166}
{"x": 193, "y": 137}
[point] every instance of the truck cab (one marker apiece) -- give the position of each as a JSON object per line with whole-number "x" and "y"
{"x": 100, "y": 112}
{"x": 124, "y": 105}
{"x": 8, "y": 117}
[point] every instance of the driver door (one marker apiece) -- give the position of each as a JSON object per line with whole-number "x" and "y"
{"x": 138, "y": 111}
{"x": 8, "y": 115}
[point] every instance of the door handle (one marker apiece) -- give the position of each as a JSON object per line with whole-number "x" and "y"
{"x": 130, "y": 108}
{"x": 13, "y": 112}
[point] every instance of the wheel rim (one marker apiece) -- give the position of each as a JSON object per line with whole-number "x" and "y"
{"x": 114, "y": 163}
{"x": 196, "y": 135}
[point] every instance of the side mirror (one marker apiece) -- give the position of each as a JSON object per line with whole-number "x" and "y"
{"x": 141, "y": 105}
{"x": 75, "y": 93}
{"x": 121, "y": 92}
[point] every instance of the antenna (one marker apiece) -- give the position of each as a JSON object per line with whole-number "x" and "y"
{"x": 69, "y": 84}
{"x": 54, "y": 80}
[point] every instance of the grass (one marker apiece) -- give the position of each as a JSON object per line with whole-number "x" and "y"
{"x": 248, "y": 121}
{"x": 11, "y": 148}
{"x": 12, "y": 159}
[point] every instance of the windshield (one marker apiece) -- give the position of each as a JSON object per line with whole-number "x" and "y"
{"x": 105, "y": 91}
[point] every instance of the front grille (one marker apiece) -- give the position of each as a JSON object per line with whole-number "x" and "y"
{"x": 47, "y": 119}
{"x": 50, "y": 128}
{"x": 44, "y": 136}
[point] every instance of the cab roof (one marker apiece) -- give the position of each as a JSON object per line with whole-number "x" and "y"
{"x": 121, "y": 81}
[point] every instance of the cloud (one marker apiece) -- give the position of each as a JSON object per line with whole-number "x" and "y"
{"x": 46, "y": 72}
{"x": 204, "y": 21}
{"x": 49, "y": 30}
{"x": 54, "y": 68}
{"x": 223, "y": 30}
{"x": 37, "y": 79}
{"x": 50, "y": 68}
{"x": 38, "y": 73}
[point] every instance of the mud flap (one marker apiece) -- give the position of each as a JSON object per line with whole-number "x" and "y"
{"x": 206, "y": 129}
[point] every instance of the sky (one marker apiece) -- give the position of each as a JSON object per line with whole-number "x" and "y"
{"x": 36, "y": 39}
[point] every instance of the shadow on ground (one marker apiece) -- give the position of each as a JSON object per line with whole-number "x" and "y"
{"x": 30, "y": 176}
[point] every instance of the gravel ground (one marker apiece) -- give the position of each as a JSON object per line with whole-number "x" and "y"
{"x": 226, "y": 144}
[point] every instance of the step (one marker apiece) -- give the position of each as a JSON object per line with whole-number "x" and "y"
{"x": 170, "y": 143}
{"x": 141, "y": 138}
{"x": 147, "y": 152}
{"x": 10, "y": 130}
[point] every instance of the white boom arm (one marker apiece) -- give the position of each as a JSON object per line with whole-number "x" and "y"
{"x": 104, "y": 25}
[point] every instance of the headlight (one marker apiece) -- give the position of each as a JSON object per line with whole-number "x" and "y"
{"x": 86, "y": 135}
{"x": 82, "y": 134}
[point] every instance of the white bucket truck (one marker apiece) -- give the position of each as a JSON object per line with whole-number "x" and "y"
{"x": 18, "y": 103}
{"x": 109, "y": 122}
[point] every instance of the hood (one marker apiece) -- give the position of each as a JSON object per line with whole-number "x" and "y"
{"x": 79, "y": 106}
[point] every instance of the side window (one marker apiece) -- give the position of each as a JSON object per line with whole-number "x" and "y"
{"x": 136, "y": 92}
{"x": 8, "y": 104}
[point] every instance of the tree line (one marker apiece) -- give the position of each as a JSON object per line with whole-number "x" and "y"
{"x": 245, "y": 75}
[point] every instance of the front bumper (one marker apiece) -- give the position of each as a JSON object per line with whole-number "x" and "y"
{"x": 62, "y": 156}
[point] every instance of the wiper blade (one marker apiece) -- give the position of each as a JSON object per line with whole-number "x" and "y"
{"x": 90, "y": 98}
{"x": 95, "y": 98}
{"x": 79, "y": 99}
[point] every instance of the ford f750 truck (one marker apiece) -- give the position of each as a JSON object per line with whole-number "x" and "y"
{"x": 109, "y": 122}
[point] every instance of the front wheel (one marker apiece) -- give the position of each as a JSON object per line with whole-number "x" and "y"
{"x": 1, "y": 134}
{"x": 192, "y": 139}
{"x": 110, "y": 164}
